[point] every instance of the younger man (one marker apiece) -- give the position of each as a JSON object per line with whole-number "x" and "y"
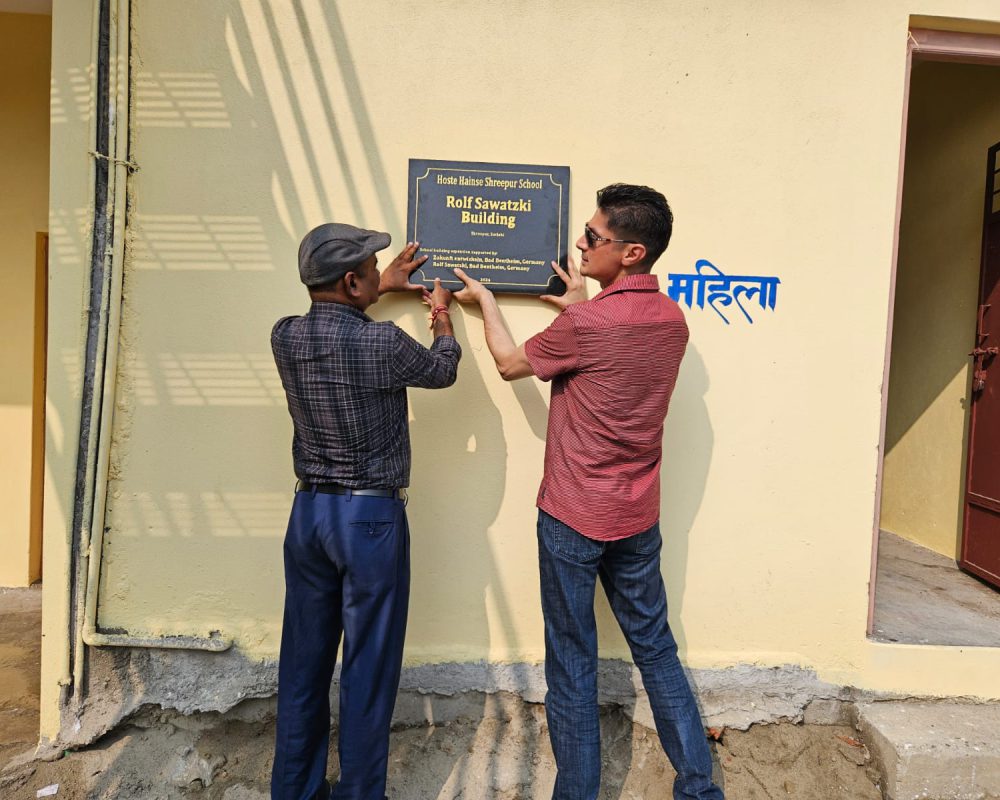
{"x": 613, "y": 361}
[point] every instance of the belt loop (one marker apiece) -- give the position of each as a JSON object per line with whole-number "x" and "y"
{"x": 315, "y": 486}
{"x": 350, "y": 494}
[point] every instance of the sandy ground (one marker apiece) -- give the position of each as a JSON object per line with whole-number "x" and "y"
{"x": 164, "y": 755}
{"x": 20, "y": 643}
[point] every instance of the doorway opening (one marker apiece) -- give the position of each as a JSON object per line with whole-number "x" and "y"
{"x": 25, "y": 83}
{"x": 924, "y": 592}
{"x": 25, "y": 94}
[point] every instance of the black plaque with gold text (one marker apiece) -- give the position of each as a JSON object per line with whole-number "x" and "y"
{"x": 502, "y": 223}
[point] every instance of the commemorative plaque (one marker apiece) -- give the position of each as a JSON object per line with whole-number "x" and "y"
{"x": 503, "y": 224}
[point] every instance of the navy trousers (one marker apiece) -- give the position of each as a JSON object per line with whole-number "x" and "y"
{"x": 347, "y": 573}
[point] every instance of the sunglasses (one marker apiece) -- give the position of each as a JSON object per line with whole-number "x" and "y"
{"x": 593, "y": 239}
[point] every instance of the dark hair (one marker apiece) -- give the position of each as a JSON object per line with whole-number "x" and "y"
{"x": 331, "y": 286}
{"x": 640, "y": 214}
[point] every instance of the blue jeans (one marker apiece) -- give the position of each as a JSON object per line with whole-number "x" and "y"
{"x": 629, "y": 570}
{"x": 347, "y": 572}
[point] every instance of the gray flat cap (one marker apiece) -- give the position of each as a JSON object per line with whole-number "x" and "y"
{"x": 331, "y": 250}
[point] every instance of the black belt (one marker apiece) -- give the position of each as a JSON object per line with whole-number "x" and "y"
{"x": 336, "y": 488}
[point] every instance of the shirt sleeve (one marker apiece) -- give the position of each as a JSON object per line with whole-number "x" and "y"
{"x": 555, "y": 350}
{"x": 412, "y": 364}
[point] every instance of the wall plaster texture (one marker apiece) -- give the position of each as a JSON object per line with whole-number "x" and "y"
{"x": 769, "y": 559}
{"x": 125, "y": 683}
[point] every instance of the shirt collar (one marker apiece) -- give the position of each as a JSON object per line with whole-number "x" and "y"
{"x": 323, "y": 309}
{"x": 643, "y": 282}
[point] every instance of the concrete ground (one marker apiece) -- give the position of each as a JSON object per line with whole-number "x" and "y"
{"x": 905, "y": 750}
{"x": 165, "y": 757}
{"x": 503, "y": 754}
{"x": 934, "y": 750}
{"x": 922, "y": 597}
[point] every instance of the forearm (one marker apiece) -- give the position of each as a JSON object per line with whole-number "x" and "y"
{"x": 442, "y": 325}
{"x": 498, "y": 338}
{"x": 510, "y": 359}
{"x": 445, "y": 361}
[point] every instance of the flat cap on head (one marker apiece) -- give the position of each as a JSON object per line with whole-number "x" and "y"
{"x": 330, "y": 251}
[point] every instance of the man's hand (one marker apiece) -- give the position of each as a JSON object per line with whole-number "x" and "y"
{"x": 396, "y": 277}
{"x": 439, "y": 296}
{"x": 473, "y": 292}
{"x": 576, "y": 288}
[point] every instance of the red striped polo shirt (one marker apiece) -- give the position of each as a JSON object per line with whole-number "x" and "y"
{"x": 613, "y": 363}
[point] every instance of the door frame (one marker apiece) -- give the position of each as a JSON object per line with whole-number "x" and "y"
{"x": 38, "y": 405}
{"x": 922, "y": 44}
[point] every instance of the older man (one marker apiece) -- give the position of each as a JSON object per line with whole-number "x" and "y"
{"x": 613, "y": 361}
{"x": 347, "y": 551}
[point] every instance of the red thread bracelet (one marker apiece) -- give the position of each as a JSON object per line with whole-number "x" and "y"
{"x": 437, "y": 310}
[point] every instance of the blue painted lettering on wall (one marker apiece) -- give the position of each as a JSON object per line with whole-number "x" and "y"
{"x": 709, "y": 283}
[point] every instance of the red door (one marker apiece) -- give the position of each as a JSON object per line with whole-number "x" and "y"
{"x": 981, "y": 533}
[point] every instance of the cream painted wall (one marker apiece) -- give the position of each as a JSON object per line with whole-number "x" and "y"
{"x": 70, "y": 216}
{"x": 24, "y": 152}
{"x": 954, "y": 116}
{"x": 773, "y": 128}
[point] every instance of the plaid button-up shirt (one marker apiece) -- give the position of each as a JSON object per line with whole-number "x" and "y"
{"x": 345, "y": 378}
